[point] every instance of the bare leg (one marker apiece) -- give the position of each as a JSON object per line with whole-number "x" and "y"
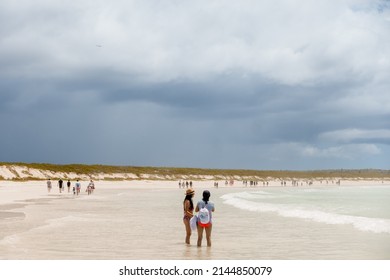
{"x": 188, "y": 230}
{"x": 208, "y": 235}
{"x": 200, "y": 235}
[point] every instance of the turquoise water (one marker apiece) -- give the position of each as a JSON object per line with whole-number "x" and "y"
{"x": 365, "y": 208}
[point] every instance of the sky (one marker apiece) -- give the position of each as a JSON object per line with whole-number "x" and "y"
{"x": 265, "y": 85}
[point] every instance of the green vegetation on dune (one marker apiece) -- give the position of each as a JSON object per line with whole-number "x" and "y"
{"x": 174, "y": 172}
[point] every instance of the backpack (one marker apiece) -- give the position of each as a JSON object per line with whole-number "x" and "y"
{"x": 204, "y": 217}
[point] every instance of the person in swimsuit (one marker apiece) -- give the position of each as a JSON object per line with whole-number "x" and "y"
{"x": 205, "y": 203}
{"x": 188, "y": 207}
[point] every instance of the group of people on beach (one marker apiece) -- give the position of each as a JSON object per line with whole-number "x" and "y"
{"x": 76, "y": 188}
{"x": 185, "y": 184}
{"x": 202, "y": 221}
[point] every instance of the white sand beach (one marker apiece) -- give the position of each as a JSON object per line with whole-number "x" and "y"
{"x": 142, "y": 219}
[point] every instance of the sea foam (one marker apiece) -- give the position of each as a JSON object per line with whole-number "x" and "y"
{"x": 240, "y": 200}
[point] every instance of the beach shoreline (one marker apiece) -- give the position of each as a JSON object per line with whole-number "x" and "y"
{"x": 24, "y": 190}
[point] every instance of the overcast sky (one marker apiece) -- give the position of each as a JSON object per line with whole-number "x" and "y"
{"x": 244, "y": 84}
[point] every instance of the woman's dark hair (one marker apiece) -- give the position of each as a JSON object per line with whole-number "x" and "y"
{"x": 189, "y": 198}
{"x": 206, "y": 196}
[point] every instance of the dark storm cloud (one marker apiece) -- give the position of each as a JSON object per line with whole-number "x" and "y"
{"x": 202, "y": 84}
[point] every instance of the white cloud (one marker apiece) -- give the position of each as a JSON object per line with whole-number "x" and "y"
{"x": 295, "y": 152}
{"x": 350, "y": 135}
{"x": 319, "y": 40}
{"x": 351, "y": 151}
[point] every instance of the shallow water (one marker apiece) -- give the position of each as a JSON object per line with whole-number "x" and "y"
{"x": 146, "y": 223}
{"x": 365, "y": 208}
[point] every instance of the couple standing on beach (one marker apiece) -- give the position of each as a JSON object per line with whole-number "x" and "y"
{"x": 203, "y": 219}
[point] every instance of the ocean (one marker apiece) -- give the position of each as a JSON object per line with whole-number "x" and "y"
{"x": 364, "y": 208}
{"x": 144, "y": 222}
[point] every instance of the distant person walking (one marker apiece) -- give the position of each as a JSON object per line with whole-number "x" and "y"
{"x": 188, "y": 207}
{"x": 68, "y": 185}
{"x": 205, "y": 208}
{"x": 78, "y": 187}
{"x": 89, "y": 189}
{"x": 60, "y": 182}
{"x": 92, "y": 186}
{"x": 48, "y": 185}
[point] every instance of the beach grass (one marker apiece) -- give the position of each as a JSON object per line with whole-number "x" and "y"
{"x": 173, "y": 173}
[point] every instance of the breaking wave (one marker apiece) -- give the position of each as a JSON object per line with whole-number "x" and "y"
{"x": 241, "y": 201}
